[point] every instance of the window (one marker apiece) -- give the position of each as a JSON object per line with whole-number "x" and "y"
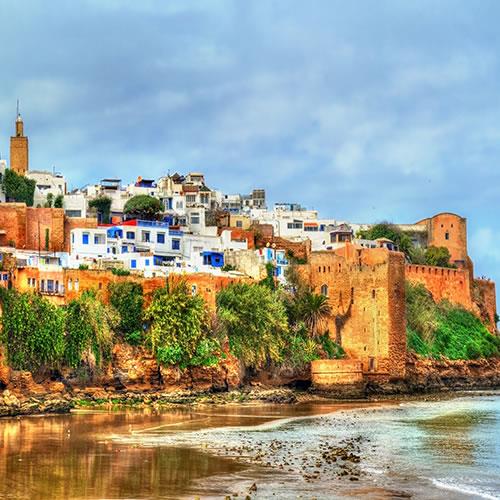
{"x": 57, "y": 287}
{"x": 179, "y": 204}
{"x": 130, "y": 235}
{"x": 99, "y": 239}
{"x": 146, "y": 236}
{"x": 160, "y": 238}
{"x": 239, "y": 223}
{"x": 146, "y": 262}
{"x": 176, "y": 244}
{"x": 447, "y": 235}
{"x": 133, "y": 263}
{"x": 77, "y": 285}
{"x": 194, "y": 289}
{"x": 72, "y": 237}
{"x": 190, "y": 198}
{"x": 85, "y": 238}
{"x": 50, "y": 285}
{"x": 70, "y": 284}
{"x": 373, "y": 293}
{"x": 296, "y": 224}
{"x": 195, "y": 218}
{"x": 324, "y": 290}
{"x": 124, "y": 249}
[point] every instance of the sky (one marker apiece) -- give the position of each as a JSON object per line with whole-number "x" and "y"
{"x": 366, "y": 111}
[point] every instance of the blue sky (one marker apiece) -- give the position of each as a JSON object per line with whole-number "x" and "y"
{"x": 367, "y": 110}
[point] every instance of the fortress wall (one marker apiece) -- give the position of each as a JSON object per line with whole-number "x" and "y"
{"x": 366, "y": 292}
{"x": 443, "y": 283}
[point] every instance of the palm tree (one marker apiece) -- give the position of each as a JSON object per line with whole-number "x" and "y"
{"x": 314, "y": 310}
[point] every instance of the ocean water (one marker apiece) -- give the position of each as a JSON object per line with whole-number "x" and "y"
{"x": 414, "y": 449}
{"x": 422, "y": 449}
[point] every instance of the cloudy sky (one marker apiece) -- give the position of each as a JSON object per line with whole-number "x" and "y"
{"x": 365, "y": 110}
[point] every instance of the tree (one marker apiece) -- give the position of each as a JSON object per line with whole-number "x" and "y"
{"x": 391, "y": 232}
{"x": 143, "y": 207}
{"x": 32, "y": 331}
{"x": 437, "y": 256}
{"x": 254, "y": 320}
{"x": 314, "y": 309}
{"x": 90, "y": 326}
{"x": 49, "y": 200}
{"x": 18, "y": 188}
{"x": 102, "y": 204}
{"x": 59, "y": 201}
{"x": 178, "y": 327}
{"x": 127, "y": 298}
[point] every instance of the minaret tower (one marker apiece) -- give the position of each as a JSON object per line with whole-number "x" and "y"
{"x": 19, "y": 147}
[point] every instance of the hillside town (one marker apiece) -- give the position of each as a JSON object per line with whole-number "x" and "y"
{"x": 59, "y": 243}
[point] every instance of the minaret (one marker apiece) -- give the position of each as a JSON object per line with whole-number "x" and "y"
{"x": 19, "y": 147}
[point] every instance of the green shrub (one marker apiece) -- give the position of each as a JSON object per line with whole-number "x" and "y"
{"x": 127, "y": 298}
{"x": 83, "y": 267}
{"x": 32, "y": 330}
{"x": 254, "y": 320}
{"x": 118, "y": 271}
{"x": 178, "y": 332}
{"x": 90, "y": 328}
{"x": 444, "y": 329}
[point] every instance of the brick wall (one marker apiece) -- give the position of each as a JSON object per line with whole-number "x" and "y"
{"x": 443, "y": 283}
{"x": 366, "y": 293}
{"x": 485, "y": 298}
{"x": 42, "y": 223}
{"x": 13, "y": 223}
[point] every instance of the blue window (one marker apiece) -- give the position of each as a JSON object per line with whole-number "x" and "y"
{"x": 124, "y": 248}
{"x": 85, "y": 238}
{"x": 146, "y": 262}
{"x": 176, "y": 244}
{"x": 130, "y": 235}
{"x": 133, "y": 263}
{"x": 160, "y": 238}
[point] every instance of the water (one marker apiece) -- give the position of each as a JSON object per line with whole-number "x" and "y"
{"x": 428, "y": 450}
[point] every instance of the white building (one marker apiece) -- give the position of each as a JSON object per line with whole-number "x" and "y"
{"x": 46, "y": 183}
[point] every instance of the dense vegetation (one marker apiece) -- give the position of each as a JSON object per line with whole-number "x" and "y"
{"x": 445, "y": 330}
{"x": 178, "y": 332}
{"x": 142, "y": 206}
{"x": 18, "y": 188}
{"x": 127, "y": 298}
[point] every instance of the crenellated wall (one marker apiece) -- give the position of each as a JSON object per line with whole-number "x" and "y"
{"x": 443, "y": 283}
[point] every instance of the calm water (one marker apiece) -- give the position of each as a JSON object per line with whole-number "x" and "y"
{"x": 444, "y": 449}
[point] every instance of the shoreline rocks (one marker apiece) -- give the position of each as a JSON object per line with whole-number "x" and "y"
{"x": 24, "y": 395}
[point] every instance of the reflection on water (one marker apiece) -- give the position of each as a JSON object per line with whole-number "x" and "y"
{"x": 433, "y": 450}
{"x": 455, "y": 437}
{"x": 75, "y": 456}
{"x": 65, "y": 457}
